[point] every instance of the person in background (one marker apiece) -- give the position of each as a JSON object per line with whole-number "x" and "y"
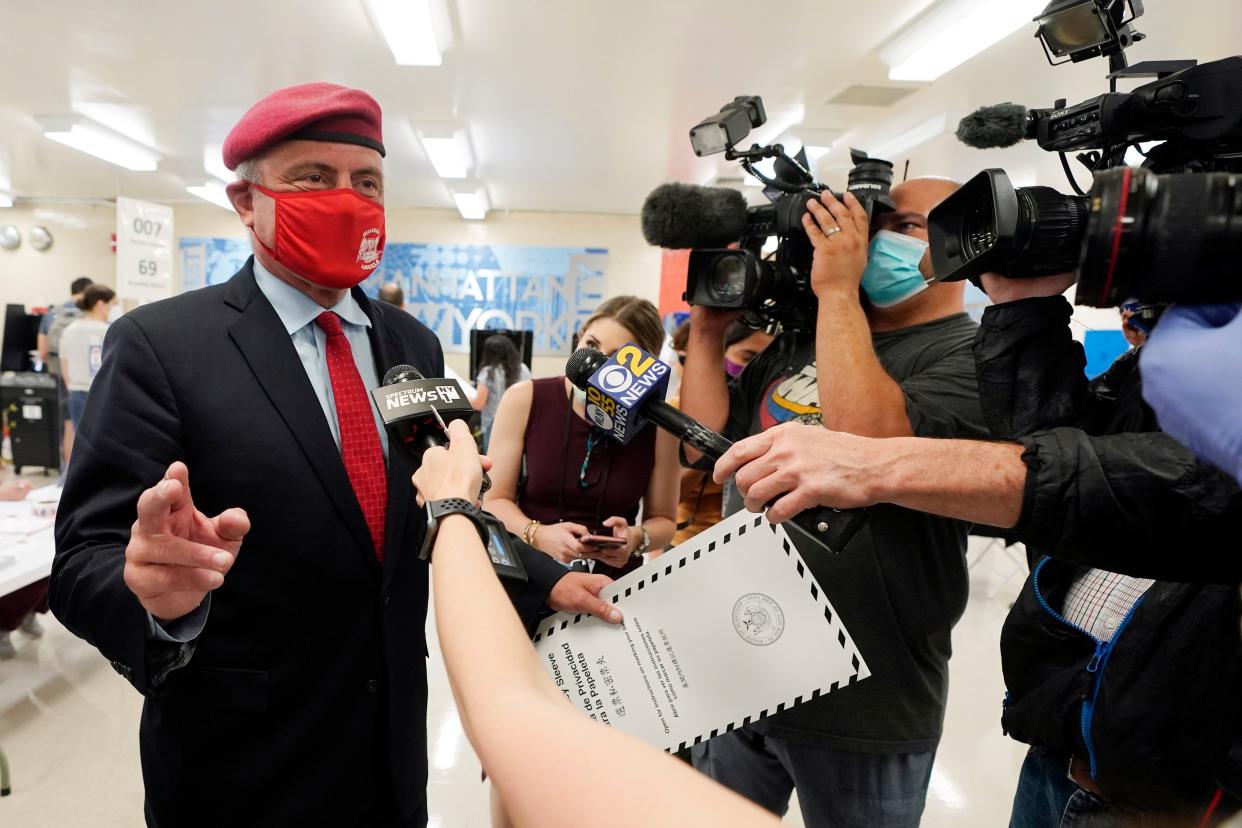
{"x": 701, "y": 497}
{"x": 1137, "y": 321}
{"x": 578, "y": 481}
{"x": 527, "y": 738}
{"x": 500, "y": 366}
{"x": 51, "y": 327}
{"x": 742, "y": 344}
{"x": 681, "y": 337}
{"x": 17, "y": 609}
{"x": 81, "y": 347}
{"x": 392, "y": 294}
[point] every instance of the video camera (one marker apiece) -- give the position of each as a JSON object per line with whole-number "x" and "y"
{"x": 726, "y": 237}
{"x": 1169, "y": 231}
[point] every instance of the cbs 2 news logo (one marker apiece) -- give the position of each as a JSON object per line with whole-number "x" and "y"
{"x": 627, "y": 368}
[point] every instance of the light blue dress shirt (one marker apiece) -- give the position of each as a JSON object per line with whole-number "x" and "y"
{"x": 297, "y": 313}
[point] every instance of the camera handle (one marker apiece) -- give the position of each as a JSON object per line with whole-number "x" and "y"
{"x": 758, "y": 153}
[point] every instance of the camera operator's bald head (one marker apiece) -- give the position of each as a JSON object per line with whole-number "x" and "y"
{"x": 913, "y": 200}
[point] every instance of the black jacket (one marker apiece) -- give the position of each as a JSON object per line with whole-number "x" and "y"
{"x": 303, "y": 701}
{"x": 1155, "y": 711}
{"x": 1105, "y": 487}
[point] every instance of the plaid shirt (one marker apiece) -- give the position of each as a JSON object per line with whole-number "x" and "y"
{"x": 1098, "y": 601}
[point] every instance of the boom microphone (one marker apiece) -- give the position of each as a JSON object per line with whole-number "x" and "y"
{"x": 682, "y": 216}
{"x": 1000, "y": 125}
{"x": 598, "y": 375}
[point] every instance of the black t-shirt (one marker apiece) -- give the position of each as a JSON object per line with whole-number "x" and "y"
{"x": 901, "y": 585}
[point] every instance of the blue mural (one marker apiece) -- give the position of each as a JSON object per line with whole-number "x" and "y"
{"x": 453, "y": 289}
{"x": 207, "y": 261}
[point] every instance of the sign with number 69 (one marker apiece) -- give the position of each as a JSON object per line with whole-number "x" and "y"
{"x": 144, "y": 244}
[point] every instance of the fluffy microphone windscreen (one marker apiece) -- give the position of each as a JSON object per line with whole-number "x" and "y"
{"x": 681, "y": 216}
{"x": 989, "y": 127}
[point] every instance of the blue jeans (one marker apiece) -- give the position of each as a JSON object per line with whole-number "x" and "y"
{"x": 835, "y": 787}
{"x": 1048, "y": 798}
{"x": 77, "y": 403}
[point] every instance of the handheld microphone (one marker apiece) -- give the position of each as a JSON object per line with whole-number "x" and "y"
{"x": 682, "y": 216}
{"x": 1000, "y": 125}
{"x": 415, "y": 411}
{"x": 615, "y": 405}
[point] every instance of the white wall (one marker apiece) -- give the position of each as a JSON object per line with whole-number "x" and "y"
{"x": 81, "y": 246}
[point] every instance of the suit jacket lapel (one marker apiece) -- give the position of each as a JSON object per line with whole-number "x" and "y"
{"x": 386, "y": 350}
{"x": 269, "y": 351}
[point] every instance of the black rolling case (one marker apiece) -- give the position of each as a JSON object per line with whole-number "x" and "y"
{"x": 32, "y": 416}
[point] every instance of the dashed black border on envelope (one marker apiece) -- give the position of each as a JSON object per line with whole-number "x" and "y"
{"x": 842, "y": 638}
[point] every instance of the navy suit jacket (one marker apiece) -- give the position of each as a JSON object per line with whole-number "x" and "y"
{"x": 303, "y": 701}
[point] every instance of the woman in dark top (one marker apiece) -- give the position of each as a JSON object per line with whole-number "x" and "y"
{"x": 579, "y": 481}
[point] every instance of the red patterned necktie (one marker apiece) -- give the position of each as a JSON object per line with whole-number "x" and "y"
{"x": 360, "y": 443}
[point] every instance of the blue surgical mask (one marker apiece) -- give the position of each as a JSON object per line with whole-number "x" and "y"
{"x": 892, "y": 275}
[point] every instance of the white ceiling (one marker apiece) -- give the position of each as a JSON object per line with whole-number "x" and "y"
{"x": 571, "y": 105}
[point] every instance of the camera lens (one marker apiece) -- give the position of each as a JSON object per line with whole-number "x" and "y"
{"x": 989, "y": 225}
{"x": 723, "y": 278}
{"x": 728, "y": 279}
{"x": 1162, "y": 238}
{"x": 1049, "y": 232}
{"x": 979, "y": 230}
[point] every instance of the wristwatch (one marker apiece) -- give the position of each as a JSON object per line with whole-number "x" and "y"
{"x": 437, "y": 509}
{"x": 646, "y": 543}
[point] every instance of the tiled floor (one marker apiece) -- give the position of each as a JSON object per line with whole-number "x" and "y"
{"x": 69, "y": 727}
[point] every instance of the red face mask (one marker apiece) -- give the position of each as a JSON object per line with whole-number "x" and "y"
{"x": 333, "y": 238}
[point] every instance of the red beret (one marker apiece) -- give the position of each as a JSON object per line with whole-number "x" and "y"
{"x": 310, "y": 111}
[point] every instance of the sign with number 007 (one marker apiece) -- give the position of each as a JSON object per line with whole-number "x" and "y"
{"x": 144, "y": 244}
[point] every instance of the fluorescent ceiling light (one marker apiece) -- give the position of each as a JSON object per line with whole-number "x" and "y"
{"x": 920, "y": 133}
{"x": 6, "y": 200}
{"x": 951, "y": 33}
{"x": 94, "y": 140}
{"x": 409, "y": 27}
{"x": 212, "y": 191}
{"x": 472, "y": 204}
{"x": 449, "y": 151}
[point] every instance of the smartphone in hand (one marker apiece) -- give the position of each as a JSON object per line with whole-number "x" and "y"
{"x": 603, "y": 541}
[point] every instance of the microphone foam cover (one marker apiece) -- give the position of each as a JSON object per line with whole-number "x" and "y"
{"x": 682, "y": 216}
{"x": 582, "y": 364}
{"x": 988, "y": 127}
